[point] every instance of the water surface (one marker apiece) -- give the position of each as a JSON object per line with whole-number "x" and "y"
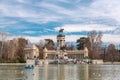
{"x": 61, "y": 72}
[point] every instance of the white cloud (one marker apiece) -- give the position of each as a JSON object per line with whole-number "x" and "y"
{"x": 105, "y": 8}
{"x": 30, "y": 38}
{"x": 5, "y": 22}
{"x": 38, "y": 38}
{"x": 29, "y": 32}
{"x": 111, "y": 38}
{"x": 46, "y": 11}
{"x": 89, "y": 27}
{"x": 22, "y": 1}
{"x": 57, "y": 9}
{"x": 71, "y": 38}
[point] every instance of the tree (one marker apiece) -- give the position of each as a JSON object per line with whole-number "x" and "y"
{"x": 82, "y": 42}
{"x": 111, "y": 52}
{"x": 9, "y": 50}
{"x": 21, "y": 45}
{"x": 3, "y": 37}
{"x": 40, "y": 47}
{"x": 12, "y": 49}
{"x": 49, "y": 44}
{"x": 95, "y": 44}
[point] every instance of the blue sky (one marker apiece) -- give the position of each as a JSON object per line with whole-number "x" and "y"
{"x": 40, "y": 19}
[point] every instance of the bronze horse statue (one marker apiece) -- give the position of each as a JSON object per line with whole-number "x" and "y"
{"x": 61, "y": 30}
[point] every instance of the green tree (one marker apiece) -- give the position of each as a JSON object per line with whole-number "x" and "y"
{"x": 82, "y": 42}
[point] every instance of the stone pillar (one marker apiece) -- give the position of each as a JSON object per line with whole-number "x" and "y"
{"x": 45, "y": 53}
{"x": 60, "y": 40}
{"x": 86, "y": 52}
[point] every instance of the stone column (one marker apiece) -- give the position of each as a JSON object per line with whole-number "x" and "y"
{"x": 86, "y": 52}
{"x": 45, "y": 53}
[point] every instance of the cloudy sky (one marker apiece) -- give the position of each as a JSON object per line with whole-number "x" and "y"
{"x": 39, "y": 19}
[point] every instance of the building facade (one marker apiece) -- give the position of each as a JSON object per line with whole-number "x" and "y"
{"x": 31, "y": 52}
{"x": 72, "y": 54}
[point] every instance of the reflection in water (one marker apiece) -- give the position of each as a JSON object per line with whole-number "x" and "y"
{"x": 86, "y": 72}
{"x": 11, "y": 72}
{"x": 48, "y": 72}
{"x": 32, "y": 74}
{"x": 77, "y": 72}
{"x": 61, "y": 72}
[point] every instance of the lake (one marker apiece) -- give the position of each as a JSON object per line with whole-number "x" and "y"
{"x": 61, "y": 72}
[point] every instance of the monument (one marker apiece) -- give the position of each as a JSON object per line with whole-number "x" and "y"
{"x": 61, "y": 53}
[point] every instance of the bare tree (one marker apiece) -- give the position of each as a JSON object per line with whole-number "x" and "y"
{"x": 111, "y": 52}
{"x": 92, "y": 37}
{"x": 22, "y": 42}
{"x": 95, "y": 44}
{"x": 13, "y": 47}
{"x": 40, "y": 47}
{"x": 42, "y": 43}
{"x": 49, "y": 44}
{"x": 3, "y": 37}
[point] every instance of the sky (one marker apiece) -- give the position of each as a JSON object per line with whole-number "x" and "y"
{"x": 40, "y": 19}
